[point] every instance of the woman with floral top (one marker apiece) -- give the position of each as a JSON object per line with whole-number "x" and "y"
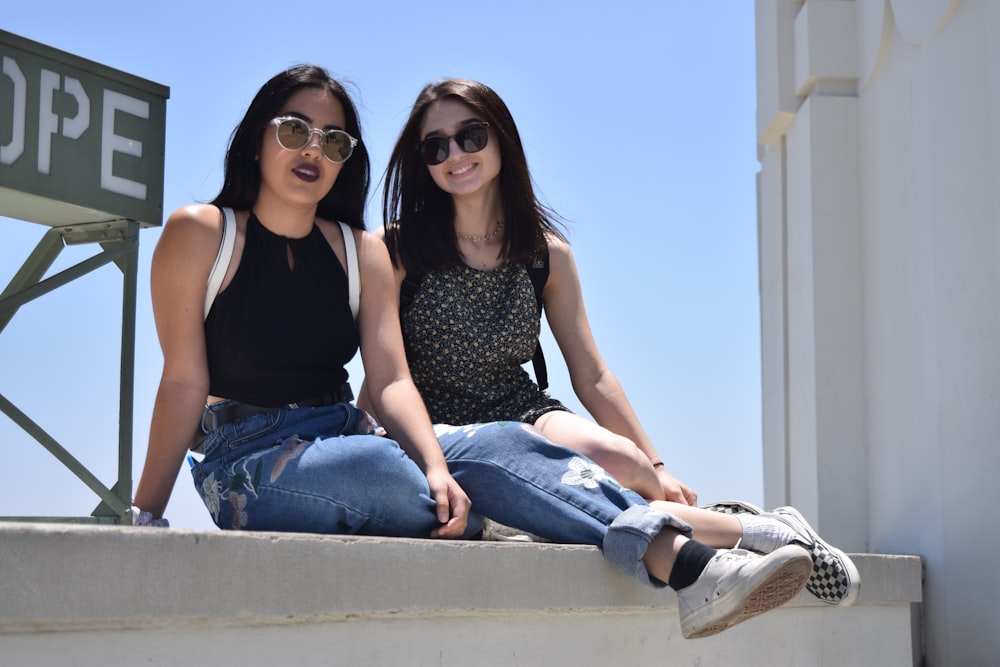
{"x": 467, "y": 235}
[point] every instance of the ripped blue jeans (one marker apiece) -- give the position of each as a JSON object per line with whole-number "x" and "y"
{"x": 310, "y": 470}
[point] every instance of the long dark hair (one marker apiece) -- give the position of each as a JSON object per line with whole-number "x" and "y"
{"x": 419, "y": 216}
{"x": 348, "y": 196}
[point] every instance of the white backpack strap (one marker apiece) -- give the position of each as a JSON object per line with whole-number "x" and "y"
{"x": 222, "y": 259}
{"x": 353, "y": 275}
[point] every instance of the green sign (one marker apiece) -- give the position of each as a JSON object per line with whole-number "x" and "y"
{"x": 79, "y": 141}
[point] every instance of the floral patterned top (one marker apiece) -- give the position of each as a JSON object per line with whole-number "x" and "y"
{"x": 468, "y": 333}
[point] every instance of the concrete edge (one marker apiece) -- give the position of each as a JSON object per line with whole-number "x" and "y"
{"x": 59, "y": 577}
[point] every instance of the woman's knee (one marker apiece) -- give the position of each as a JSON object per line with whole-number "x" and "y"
{"x": 369, "y": 484}
{"x": 380, "y": 459}
{"x": 612, "y": 448}
{"x": 624, "y": 460}
{"x": 589, "y": 438}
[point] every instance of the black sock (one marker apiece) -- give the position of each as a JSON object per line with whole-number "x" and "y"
{"x": 689, "y": 564}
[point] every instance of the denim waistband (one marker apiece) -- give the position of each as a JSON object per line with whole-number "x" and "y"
{"x": 219, "y": 414}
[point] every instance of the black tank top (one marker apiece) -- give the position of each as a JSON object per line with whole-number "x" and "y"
{"x": 278, "y": 333}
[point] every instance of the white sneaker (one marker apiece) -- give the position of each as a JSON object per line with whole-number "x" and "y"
{"x": 737, "y": 585}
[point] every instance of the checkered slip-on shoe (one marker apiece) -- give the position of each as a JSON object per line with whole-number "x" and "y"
{"x": 835, "y": 579}
{"x": 733, "y": 507}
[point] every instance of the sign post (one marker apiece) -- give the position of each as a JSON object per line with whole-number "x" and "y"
{"x": 81, "y": 151}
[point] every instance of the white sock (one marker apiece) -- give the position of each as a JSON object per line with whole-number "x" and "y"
{"x": 764, "y": 533}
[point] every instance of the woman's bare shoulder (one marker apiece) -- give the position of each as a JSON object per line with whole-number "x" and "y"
{"x": 196, "y": 214}
{"x": 559, "y": 250}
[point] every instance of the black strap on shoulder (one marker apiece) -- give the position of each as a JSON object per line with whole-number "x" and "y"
{"x": 408, "y": 290}
{"x": 538, "y": 271}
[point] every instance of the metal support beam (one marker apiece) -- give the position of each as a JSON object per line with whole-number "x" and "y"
{"x": 120, "y": 244}
{"x": 31, "y": 271}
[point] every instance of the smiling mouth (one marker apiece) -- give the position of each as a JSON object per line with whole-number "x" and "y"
{"x": 463, "y": 170}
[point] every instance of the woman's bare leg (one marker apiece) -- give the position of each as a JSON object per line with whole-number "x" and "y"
{"x": 616, "y": 454}
{"x": 713, "y": 529}
{"x": 662, "y": 553}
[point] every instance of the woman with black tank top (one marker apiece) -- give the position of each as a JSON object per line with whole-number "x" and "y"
{"x": 260, "y": 382}
{"x": 259, "y": 385}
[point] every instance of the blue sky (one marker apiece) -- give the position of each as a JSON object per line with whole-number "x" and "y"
{"x": 638, "y": 123}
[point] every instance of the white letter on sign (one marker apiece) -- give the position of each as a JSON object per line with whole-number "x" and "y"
{"x": 73, "y": 128}
{"x": 48, "y": 122}
{"x": 13, "y": 150}
{"x": 111, "y": 143}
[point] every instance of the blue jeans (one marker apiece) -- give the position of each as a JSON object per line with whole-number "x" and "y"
{"x": 309, "y": 470}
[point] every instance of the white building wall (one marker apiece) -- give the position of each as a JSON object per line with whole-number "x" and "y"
{"x": 879, "y": 133}
{"x": 825, "y": 361}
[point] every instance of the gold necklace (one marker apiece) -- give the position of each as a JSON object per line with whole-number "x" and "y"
{"x": 489, "y": 237}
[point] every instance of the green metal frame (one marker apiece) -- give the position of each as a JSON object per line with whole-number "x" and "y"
{"x": 119, "y": 240}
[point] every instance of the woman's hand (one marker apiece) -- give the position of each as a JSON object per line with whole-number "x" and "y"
{"x": 452, "y": 505}
{"x": 676, "y": 490}
{"x": 389, "y": 390}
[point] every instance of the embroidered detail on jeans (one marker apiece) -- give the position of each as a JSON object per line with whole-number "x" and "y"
{"x": 586, "y": 473}
{"x": 211, "y": 491}
{"x": 244, "y": 479}
{"x": 240, "y": 483}
{"x": 239, "y": 503}
{"x": 291, "y": 449}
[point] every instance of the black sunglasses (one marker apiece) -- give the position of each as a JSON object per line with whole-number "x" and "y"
{"x": 471, "y": 139}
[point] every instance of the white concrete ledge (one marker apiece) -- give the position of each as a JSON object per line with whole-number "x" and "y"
{"x": 194, "y": 597}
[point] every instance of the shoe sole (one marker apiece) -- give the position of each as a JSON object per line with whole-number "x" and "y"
{"x": 772, "y": 589}
{"x": 497, "y": 532}
{"x": 820, "y": 579}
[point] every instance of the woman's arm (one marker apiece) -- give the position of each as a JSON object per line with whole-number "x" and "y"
{"x": 390, "y": 390}
{"x": 595, "y": 385}
{"x": 364, "y": 401}
{"x": 181, "y": 263}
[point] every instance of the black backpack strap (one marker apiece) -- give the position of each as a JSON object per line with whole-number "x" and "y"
{"x": 538, "y": 271}
{"x": 408, "y": 290}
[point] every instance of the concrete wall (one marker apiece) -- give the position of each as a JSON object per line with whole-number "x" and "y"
{"x": 879, "y": 215}
{"x": 84, "y": 595}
